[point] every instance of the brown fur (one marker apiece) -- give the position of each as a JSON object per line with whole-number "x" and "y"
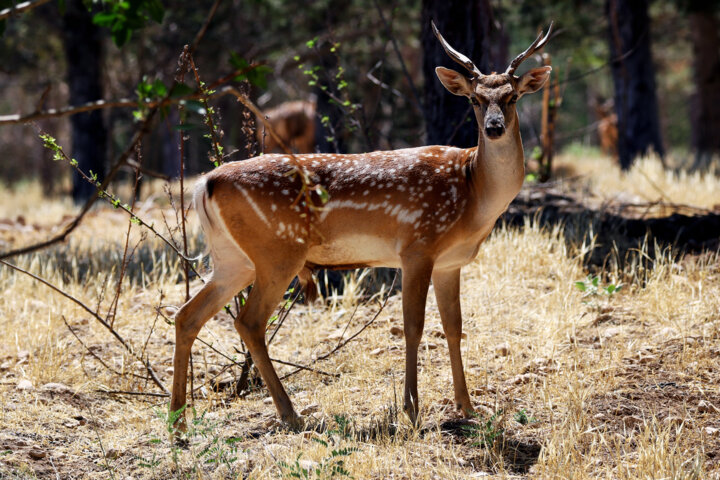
{"x": 294, "y": 123}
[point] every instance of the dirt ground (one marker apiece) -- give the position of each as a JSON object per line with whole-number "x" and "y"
{"x": 571, "y": 377}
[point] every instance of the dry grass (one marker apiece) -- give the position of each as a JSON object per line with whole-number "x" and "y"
{"x": 646, "y": 181}
{"x": 622, "y": 387}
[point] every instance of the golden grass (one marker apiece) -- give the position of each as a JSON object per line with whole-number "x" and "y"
{"x": 646, "y": 181}
{"x": 620, "y": 387}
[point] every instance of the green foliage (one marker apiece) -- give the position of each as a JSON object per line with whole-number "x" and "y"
{"x": 333, "y": 464}
{"x": 484, "y": 433}
{"x": 123, "y": 17}
{"x": 205, "y": 445}
{"x": 522, "y": 417}
{"x": 256, "y": 76}
{"x": 148, "y": 92}
{"x": 591, "y": 287}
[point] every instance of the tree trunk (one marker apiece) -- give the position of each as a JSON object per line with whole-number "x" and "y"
{"x": 83, "y": 52}
{"x": 705, "y": 114}
{"x": 633, "y": 75}
{"x": 466, "y": 26}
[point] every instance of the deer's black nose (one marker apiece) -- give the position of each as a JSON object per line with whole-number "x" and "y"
{"x": 494, "y": 128}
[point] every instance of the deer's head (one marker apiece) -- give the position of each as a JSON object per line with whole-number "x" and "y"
{"x": 493, "y": 96}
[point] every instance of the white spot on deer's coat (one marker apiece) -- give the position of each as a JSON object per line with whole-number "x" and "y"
{"x": 407, "y": 216}
{"x": 248, "y": 198}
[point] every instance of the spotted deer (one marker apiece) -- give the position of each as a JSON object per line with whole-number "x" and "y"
{"x": 425, "y": 210}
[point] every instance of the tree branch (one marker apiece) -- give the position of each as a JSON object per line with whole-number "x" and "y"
{"x": 21, "y": 7}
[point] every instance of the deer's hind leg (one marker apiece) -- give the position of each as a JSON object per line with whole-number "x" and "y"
{"x": 270, "y": 284}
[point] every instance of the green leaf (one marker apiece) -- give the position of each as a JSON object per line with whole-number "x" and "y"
{"x": 159, "y": 88}
{"x": 596, "y": 281}
{"x": 104, "y": 19}
{"x": 581, "y": 286}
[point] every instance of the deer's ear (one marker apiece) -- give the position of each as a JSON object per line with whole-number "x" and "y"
{"x": 455, "y": 82}
{"x": 533, "y": 80}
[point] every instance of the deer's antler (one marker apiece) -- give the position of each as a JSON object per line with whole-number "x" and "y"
{"x": 455, "y": 55}
{"x": 539, "y": 42}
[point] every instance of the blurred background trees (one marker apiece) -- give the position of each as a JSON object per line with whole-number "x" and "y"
{"x": 368, "y": 66}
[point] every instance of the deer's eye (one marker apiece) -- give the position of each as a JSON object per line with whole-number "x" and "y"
{"x": 513, "y": 100}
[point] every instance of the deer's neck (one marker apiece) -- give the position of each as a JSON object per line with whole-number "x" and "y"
{"x": 497, "y": 171}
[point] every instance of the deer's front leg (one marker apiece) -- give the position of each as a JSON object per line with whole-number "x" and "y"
{"x": 416, "y": 273}
{"x": 447, "y": 292}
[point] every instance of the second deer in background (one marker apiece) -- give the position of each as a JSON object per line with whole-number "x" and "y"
{"x": 294, "y": 123}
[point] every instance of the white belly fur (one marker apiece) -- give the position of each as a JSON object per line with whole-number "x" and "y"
{"x": 354, "y": 250}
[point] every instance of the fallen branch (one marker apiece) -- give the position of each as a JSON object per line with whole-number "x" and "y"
{"x": 124, "y": 392}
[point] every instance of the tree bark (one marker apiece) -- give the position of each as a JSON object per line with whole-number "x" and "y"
{"x": 466, "y": 26}
{"x": 633, "y": 75}
{"x": 705, "y": 113}
{"x": 83, "y": 52}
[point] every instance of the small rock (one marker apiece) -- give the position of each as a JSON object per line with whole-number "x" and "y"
{"x": 429, "y": 346}
{"x": 706, "y": 407}
{"x": 57, "y": 388}
{"x": 72, "y": 423}
{"x": 502, "y": 350}
{"x": 377, "y": 351}
{"x": 712, "y": 431}
{"x": 308, "y": 465}
{"x": 611, "y": 332}
{"x": 396, "y": 331}
{"x": 268, "y": 400}
{"x": 170, "y": 370}
{"x": 37, "y": 454}
{"x": 24, "y": 384}
{"x": 312, "y": 408}
{"x": 483, "y": 390}
{"x": 23, "y": 355}
{"x": 6, "y": 365}
{"x": 673, "y": 420}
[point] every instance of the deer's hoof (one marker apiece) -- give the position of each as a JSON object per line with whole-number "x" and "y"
{"x": 294, "y": 422}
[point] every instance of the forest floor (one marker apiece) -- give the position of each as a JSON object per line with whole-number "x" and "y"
{"x": 570, "y": 380}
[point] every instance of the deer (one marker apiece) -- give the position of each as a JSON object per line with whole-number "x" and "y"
{"x": 294, "y": 124}
{"x": 607, "y": 128}
{"x": 425, "y": 210}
